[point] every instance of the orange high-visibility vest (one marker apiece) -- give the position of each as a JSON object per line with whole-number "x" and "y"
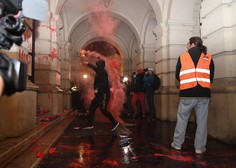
{"x": 191, "y": 75}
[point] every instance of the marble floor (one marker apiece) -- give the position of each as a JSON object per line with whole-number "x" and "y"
{"x": 136, "y": 143}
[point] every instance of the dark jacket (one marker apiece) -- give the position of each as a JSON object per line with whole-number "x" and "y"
{"x": 101, "y": 82}
{"x": 137, "y": 84}
{"x": 148, "y": 83}
{"x": 197, "y": 91}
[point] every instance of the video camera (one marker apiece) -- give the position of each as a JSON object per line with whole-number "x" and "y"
{"x": 14, "y": 72}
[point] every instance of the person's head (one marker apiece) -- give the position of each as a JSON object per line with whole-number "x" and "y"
{"x": 150, "y": 70}
{"x": 133, "y": 74}
{"x": 196, "y": 42}
{"x": 140, "y": 70}
{"x": 100, "y": 64}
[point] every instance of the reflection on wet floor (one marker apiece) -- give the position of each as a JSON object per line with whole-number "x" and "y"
{"x": 136, "y": 144}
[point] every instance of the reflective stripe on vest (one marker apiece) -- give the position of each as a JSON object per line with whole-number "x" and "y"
{"x": 190, "y": 76}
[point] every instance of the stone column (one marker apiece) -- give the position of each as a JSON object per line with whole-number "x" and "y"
{"x": 48, "y": 67}
{"x": 139, "y": 57}
{"x": 145, "y": 56}
{"x": 219, "y": 35}
{"x": 66, "y": 75}
{"x": 172, "y": 37}
{"x": 149, "y": 59}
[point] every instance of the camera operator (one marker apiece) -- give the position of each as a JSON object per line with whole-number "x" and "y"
{"x": 13, "y": 73}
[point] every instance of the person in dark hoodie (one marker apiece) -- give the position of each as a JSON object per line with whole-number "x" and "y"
{"x": 195, "y": 72}
{"x": 102, "y": 95}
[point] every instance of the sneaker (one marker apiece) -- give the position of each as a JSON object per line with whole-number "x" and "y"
{"x": 175, "y": 147}
{"x": 200, "y": 151}
{"x": 88, "y": 127}
{"x": 115, "y": 126}
{"x": 76, "y": 128}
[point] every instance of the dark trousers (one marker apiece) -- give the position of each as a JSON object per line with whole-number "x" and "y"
{"x": 150, "y": 104}
{"x": 100, "y": 100}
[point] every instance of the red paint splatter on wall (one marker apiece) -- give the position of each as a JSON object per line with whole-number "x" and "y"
{"x": 51, "y": 28}
{"x": 47, "y": 89}
{"x": 53, "y": 53}
{"x": 49, "y": 96}
{"x": 52, "y": 18}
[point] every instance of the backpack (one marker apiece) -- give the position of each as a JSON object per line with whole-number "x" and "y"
{"x": 156, "y": 82}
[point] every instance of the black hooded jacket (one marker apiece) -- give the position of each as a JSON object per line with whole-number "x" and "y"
{"x": 101, "y": 82}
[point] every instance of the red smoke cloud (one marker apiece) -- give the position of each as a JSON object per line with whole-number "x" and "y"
{"x": 100, "y": 20}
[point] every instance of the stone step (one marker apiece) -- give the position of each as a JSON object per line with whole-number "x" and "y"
{"x": 12, "y": 149}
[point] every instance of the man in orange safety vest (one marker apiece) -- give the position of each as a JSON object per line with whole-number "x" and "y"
{"x": 195, "y": 72}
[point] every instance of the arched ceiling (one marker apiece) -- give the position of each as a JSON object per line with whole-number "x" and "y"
{"x": 130, "y": 22}
{"x": 128, "y": 16}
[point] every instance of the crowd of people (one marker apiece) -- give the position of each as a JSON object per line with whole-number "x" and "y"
{"x": 140, "y": 94}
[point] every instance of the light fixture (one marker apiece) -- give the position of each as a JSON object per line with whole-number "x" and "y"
{"x": 125, "y": 79}
{"x": 85, "y": 76}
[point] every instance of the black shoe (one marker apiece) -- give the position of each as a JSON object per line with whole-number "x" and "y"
{"x": 115, "y": 126}
{"x": 88, "y": 127}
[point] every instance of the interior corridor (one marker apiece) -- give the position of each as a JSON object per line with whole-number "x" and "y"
{"x": 147, "y": 144}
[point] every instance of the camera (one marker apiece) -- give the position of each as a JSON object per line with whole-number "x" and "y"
{"x": 13, "y": 72}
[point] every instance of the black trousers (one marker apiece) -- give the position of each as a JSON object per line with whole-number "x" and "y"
{"x": 150, "y": 104}
{"x": 100, "y": 100}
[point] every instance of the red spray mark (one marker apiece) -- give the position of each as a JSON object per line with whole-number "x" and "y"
{"x": 171, "y": 154}
{"x": 109, "y": 162}
{"x": 53, "y": 53}
{"x": 40, "y": 155}
{"x": 46, "y": 89}
{"x": 51, "y": 150}
{"x": 52, "y": 19}
{"x": 52, "y": 29}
